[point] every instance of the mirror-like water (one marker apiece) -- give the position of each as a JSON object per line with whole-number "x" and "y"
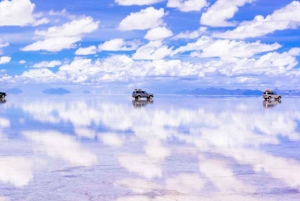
{"x": 180, "y": 148}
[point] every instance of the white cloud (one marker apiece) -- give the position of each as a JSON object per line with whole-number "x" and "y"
{"x": 118, "y": 44}
{"x": 209, "y": 47}
{"x": 136, "y": 2}
{"x": 75, "y": 28}
{"x": 187, "y": 5}
{"x": 158, "y": 33}
{"x": 39, "y": 75}
{"x": 190, "y": 34}
{"x": 22, "y": 62}
{"x": 284, "y": 18}
{"x": 121, "y": 68}
{"x": 53, "y": 44}
{"x": 218, "y": 14}
{"x": 4, "y": 60}
{"x": 48, "y": 64}
{"x": 154, "y": 50}
{"x": 18, "y": 13}
{"x": 86, "y": 50}
{"x": 62, "y": 37}
{"x": 145, "y": 19}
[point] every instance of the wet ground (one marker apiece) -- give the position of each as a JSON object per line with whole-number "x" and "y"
{"x": 176, "y": 148}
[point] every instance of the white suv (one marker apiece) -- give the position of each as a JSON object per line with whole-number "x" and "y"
{"x": 270, "y": 94}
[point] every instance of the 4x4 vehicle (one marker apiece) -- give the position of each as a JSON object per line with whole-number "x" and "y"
{"x": 271, "y": 94}
{"x": 2, "y": 95}
{"x": 139, "y": 93}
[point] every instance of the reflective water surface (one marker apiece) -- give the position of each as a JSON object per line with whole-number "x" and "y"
{"x": 181, "y": 148}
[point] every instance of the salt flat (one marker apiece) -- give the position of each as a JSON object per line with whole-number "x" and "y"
{"x": 181, "y": 148}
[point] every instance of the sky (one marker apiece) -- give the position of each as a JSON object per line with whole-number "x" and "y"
{"x": 156, "y": 44}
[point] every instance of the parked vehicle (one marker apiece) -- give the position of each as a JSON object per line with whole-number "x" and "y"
{"x": 2, "y": 95}
{"x": 139, "y": 93}
{"x": 268, "y": 95}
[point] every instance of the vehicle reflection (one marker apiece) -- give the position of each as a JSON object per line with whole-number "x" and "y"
{"x": 2, "y": 101}
{"x": 271, "y": 103}
{"x": 141, "y": 103}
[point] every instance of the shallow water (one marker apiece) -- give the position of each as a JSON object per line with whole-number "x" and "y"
{"x": 182, "y": 148}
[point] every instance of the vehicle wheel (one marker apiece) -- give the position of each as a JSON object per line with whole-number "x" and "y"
{"x": 269, "y": 98}
{"x": 279, "y": 98}
{"x": 150, "y": 97}
{"x": 2, "y": 97}
{"x": 138, "y": 98}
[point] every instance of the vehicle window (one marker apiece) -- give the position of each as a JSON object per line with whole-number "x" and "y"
{"x": 137, "y": 92}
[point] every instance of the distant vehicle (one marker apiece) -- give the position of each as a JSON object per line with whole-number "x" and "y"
{"x": 2, "y": 95}
{"x": 139, "y": 93}
{"x": 269, "y": 103}
{"x": 141, "y": 103}
{"x": 268, "y": 95}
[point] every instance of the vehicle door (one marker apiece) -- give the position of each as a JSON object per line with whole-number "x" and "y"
{"x": 145, "y": 95}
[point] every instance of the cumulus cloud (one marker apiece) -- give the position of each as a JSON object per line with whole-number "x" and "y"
{"x": 86, "y": 50}
{"x": 53, "y": 44}
{"x": 19, "y": 13}
{"x": 136, "y": 2}
{"x": 158, "y": 33}
{"x": 209, "y": 47}
{"x": 118, "y": 44}
{"x": 223, "y": 10}
{"x": 190, "y": 34}
{"x": 145, "y": 19}
{"x": 4, "y": 60}
{"x": 74, "y": 28}
{"x": 22, "y": 62}
{"x": 48, "y": 64}
{"x": 284, "y": 18}
{"x": 154, "y": 50}
{"x": 187, "y": 5}
{"x": 62, "y": 37}
{"x": 121, "y": 68}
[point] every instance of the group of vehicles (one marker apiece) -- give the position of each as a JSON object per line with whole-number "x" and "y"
{"x": 271, "y": 98}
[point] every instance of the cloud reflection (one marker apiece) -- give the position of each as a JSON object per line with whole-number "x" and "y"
{"x": 188, "y": 149}
{"x": 57, "y": 145}
{"x": 15, "y": 170}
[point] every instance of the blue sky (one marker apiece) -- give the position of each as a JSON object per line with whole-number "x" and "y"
{"x": 172, "y": 44}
